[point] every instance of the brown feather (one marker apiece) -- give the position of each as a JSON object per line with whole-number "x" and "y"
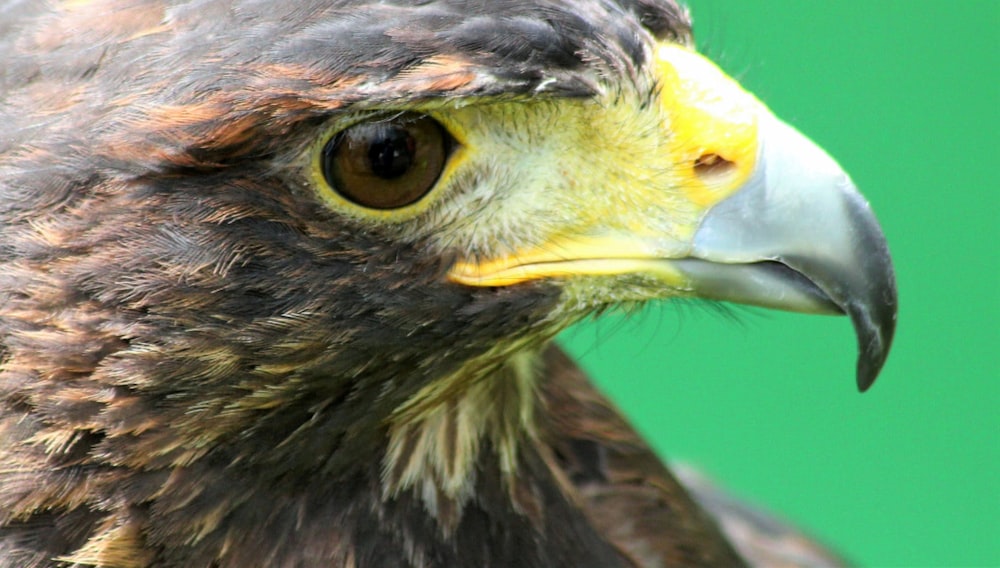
{"x": 624, "y": 487}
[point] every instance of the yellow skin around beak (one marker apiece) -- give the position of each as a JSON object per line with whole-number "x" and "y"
{"x": 709, "y": 136}
{"x": 705, "y": 192}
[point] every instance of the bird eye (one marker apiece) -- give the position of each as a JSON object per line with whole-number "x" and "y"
{"x": 386, "y": 164}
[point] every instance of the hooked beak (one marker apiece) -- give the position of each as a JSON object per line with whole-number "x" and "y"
{"x": 798, "y": 236}
{"x": 777, "y": 222}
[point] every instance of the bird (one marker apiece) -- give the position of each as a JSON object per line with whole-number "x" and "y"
{"x": 279, "y": 281}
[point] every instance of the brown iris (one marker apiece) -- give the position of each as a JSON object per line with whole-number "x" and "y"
{"x": 386, "y": 164}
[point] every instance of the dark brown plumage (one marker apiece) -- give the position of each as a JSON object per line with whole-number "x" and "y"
{"x": 204, "y": 363}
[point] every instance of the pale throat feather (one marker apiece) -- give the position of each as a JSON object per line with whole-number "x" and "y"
{"x": 437, "y": 437}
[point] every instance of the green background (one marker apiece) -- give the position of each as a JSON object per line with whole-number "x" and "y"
{"x": 905, "y": 94}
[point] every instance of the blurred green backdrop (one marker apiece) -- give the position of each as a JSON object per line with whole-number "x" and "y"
{"x": 906, "y": 95}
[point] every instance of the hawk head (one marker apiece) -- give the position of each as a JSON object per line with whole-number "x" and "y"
{"x": 278, "y": 269}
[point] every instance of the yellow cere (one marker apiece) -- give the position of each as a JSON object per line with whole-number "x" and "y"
{"x": 711, "y": 118}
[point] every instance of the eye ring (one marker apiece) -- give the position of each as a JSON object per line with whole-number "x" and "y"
{"x": 386, "y": 164}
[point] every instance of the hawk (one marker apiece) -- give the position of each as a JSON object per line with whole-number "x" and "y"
{"x": 279, "y": 280}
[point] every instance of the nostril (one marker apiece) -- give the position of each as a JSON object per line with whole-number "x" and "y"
{"x": 713, "y": 169}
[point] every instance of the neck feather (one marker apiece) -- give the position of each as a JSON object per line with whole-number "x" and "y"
{"x": 437, "y": 437}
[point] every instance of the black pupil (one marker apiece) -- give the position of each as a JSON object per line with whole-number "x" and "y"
{"x": 391, "y": 152}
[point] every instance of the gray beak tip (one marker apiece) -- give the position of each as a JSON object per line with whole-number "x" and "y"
{"x": 875, "y": 332}
{"x": 873, "y": 302}
{"x": 870, "y": 363}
